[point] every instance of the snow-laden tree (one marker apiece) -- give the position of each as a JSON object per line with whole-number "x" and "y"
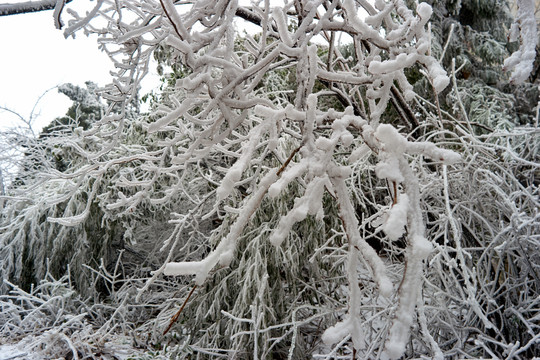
{"x": 472, "y": 38}
{"x": 334, "y": 217}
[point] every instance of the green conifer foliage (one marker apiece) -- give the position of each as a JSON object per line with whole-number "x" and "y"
{"x": 474, "y": 37}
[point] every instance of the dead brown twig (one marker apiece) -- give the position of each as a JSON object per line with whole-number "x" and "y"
{"x": 288, "y": 160}
{"x": 175, "y": 316}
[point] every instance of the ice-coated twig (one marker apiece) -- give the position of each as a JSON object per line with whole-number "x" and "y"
{"x": 224, "y": 252}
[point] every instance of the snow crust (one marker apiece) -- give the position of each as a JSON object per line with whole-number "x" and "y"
{"x": 399, "y": 61}
{"x": 10, "y": 352}
{"x": 522, "y": 60}
{"x": 394, "y": 226}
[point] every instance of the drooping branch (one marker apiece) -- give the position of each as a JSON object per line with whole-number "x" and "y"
{"x": 28, "y": 7}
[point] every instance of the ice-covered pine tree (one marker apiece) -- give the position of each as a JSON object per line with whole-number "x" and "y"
{"x": 473, "y": 38}
{"x": 303, "y": 225}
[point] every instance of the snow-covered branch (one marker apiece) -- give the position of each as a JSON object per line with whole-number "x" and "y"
{"x": 274, "y": 170}
{"x": 523, "y": 29}
{"x": 29, "y": 6}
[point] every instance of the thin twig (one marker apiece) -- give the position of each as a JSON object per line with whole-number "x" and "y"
{"x": 171, "y": 20}
{"x": 394, "y": 202}
{"x": 282, "y": 168}
{"x": 175, "y": 317}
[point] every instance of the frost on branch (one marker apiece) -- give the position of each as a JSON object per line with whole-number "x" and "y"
{"x": 253, "y": 146}
{"x": 523, "y": 29}
{"x": 28, "y": 6}
{"x": 267, "y": 185}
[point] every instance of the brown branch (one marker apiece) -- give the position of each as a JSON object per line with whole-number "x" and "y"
{"x": 171, "y": 20}
{"x": 175, "y": 317}
{"x": 342, "y": 99}
{"x": 404, "y": 107}
{"x": 394, "y": 202}
{"x": 282, "y": 168}
{"x": 248, "y": 15}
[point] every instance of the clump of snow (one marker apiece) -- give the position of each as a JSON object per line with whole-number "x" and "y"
{"x": 338, "y": 332}
{"x": 438, "y": 76}
{"x": 392, "y": 140}
{"x": 522, "y": 60}
{"x": 324, "y": 144}
{"x": 227, "y": 184}
{"x": 393, "y": 146}
{"x": 389, "y": 169}
{"x": 385, "y": 286}
{"x": 424, "y": 10}
{"x": 421, "y": 247}
{"x": 394, "y": 226}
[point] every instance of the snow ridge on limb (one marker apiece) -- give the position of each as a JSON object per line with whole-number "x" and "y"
{"x": 522, "y": 60}
{"x": 394, "y": 167}
{"x": 224, "y": 252}
{"x": 34, "y": 6}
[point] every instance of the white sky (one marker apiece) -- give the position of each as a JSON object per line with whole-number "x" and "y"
{"x": 35, "y": 56}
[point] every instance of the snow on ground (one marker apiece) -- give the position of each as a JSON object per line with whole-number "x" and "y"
{"x": 112, "y": 351}
{"x": 11, "y": 352}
